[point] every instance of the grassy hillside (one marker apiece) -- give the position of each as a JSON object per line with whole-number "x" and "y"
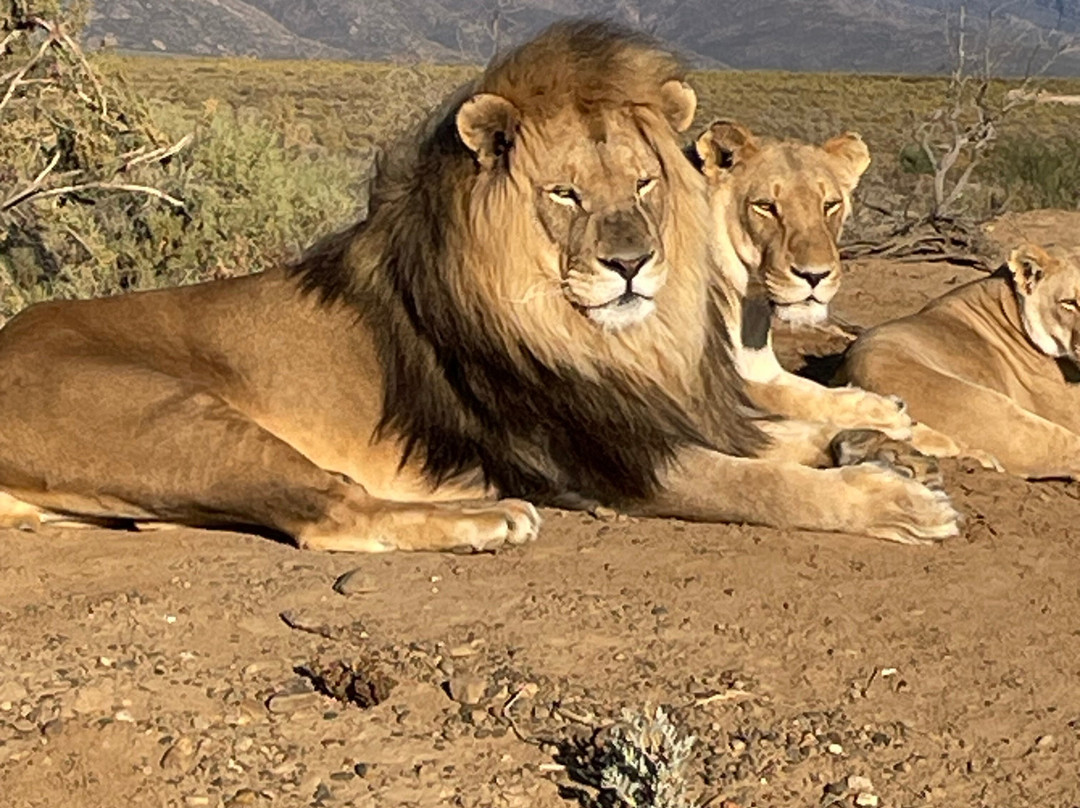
{"x": 350, "y": 107}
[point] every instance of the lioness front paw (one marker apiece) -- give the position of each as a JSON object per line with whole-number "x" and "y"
{"x": 859, "y": 409}
{"x": 900, "y": 509}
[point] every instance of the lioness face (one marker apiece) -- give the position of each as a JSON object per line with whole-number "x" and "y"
{"x": 1047, "y": 283}
{"x": 598, "y": 195}
{"x": 783, "y": 205}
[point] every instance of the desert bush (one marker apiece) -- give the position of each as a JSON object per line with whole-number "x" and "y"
{"x": 99, "y": 194}
{"x": 257, "y": 192}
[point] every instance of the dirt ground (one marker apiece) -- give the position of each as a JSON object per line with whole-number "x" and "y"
{"x": 179, "y": 668}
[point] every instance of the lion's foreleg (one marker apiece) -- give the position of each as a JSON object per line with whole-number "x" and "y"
{"x": 804, "y": 442}
{"x": 707, "y": 486}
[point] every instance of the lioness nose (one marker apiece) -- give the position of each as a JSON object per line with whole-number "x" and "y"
{"x": 812, "y": 278}
{"x": 627, "y": 266}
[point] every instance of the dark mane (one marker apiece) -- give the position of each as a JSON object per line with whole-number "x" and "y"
{"x": 453, "y": 392}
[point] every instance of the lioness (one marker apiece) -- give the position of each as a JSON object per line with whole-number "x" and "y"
{"x": 778, "y": 208}
{"x": 529, "y": 310}
{"x": 990, "y": 367}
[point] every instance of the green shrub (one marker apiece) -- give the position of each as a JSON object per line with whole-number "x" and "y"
{"x": 1036, "y": 173}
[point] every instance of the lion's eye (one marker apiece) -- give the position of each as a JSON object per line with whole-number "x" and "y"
{"x": 764, "y": 207}
{"x": 832, "y": 206}
{"x": 645, "y": 184}
{"x": 565, "y": 195}
{"x": 1070, "y": 305}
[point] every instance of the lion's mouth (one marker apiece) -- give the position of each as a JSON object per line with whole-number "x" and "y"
{"x": 627, "y": 298}
{"x": 619, "y": 312}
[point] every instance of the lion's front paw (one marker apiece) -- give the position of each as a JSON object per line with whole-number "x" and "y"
{"x": 900, "y": 509}
{"x": 854, "y": 446}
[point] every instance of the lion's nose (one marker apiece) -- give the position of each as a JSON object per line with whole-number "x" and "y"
{"x": 812, "y": 277}
{"x": 626, "y": 266}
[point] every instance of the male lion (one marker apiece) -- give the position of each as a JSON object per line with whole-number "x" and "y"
{"x": 990, "y": 368}
{"x": 778, "y": 207}
{"x": 526, "y": 312}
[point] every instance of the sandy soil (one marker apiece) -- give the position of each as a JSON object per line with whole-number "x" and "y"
{"x": 178, "y": 668}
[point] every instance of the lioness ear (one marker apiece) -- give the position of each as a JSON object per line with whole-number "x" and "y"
{"x": 851, "y": 155}
{"x": 487, "y": 124}
{"x": 1028, "y": 265}
{"x": 723, "y": 145}
{"x": 680, "y": 104}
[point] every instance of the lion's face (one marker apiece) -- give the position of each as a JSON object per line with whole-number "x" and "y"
{"x": 601, "y": 202}
{"x": 598, "y": 197}
{"x": 1047, "y": 283}
{"x": 782, "y": 204}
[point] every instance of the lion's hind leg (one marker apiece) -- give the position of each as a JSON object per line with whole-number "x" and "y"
{"x": 962, "y": 418}
{"x": 16, "y": 514}
{"x": 166, "y": 450}
{"x": 360, "y": 523}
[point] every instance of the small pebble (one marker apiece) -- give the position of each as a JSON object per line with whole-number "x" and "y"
{"x": 835, "y": 749}
{"x": 1046, "y": 743}
{"x": 178, "y": 757}
{"x": 867, "y": 800}
{"x": 11, "y": 691}
{"x": 467, "y": 689}
{"x": 858, "y": 783}
{"x": 355, "y": 582}
{"x": 244, "y": 796}
{"x": 286, "y": 703}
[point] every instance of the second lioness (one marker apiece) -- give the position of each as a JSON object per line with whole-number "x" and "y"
{"x": 991, "y": 368}
{"x": 778, "y": 207}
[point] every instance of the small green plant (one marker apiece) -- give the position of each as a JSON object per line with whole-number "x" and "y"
{"x": 644, "y": 762}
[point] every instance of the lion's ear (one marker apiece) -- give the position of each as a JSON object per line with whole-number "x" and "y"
{"x": 487, "y": 124}
{"x": 1028, "y": 265}
{"x": 680, "y": 104}
{"x": 851, "y": 156}
{"x": 723, "y": 145}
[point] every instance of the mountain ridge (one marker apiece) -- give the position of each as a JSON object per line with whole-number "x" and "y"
{"x": 876, "y": 36}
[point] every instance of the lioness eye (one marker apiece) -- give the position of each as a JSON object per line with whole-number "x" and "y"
{"x": 645, "y": 185}
{"x": 764, "y": 207}
{"x": 831, "y": 206}
{"x": 1070, "y": 305}
{"x": 565, "y": 195}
